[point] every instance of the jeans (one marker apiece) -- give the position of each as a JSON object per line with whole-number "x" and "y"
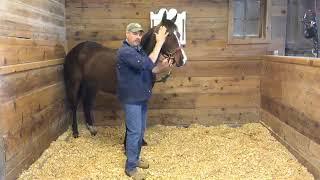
{"x": 135, "y": 117}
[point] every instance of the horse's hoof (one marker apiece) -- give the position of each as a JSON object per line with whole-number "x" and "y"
{"x": 93, "y": 130}
{"x": 75, "y": 135}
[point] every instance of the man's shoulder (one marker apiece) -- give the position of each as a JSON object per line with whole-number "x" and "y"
{"x": 126, "y": 49}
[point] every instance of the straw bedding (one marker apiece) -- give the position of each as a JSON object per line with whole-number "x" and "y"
{"x": 196, "y": 152}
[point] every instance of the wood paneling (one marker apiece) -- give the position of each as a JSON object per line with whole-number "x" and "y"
{"x": 183, "y": 117}
{"x": 204, "y": 85}
{"x": 32, "y": 49}
{"x": 290, "y": 96}
{"x": 5, "y": 70}
{"x": 35, "y": 147}
{"x": 16, "y": 141}
{"x": 18, "y": 112}
{"x": 17, "y": 51}
{"x": 293, "y": 118}
{"x": 304, "y": 149}
{"x": 217, "y": 75}
{"x": 219, "y": 68}
{"x": 22, "y": 82}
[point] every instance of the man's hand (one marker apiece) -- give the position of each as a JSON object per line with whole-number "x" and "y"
{"x": 160, "y": 38}
{"x": 161, "y": 35}
{"x": 163, "y": 66}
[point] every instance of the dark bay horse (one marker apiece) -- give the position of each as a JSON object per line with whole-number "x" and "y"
{"x": 90, "y": 67}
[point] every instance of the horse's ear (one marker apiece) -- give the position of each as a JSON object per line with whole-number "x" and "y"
{"x": 164, "y": 16}
{"x": 174, "y": 18}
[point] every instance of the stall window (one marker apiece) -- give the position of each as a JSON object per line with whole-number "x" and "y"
{"x": 248, "y": 21}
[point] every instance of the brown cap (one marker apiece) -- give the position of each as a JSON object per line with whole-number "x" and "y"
{"x": 134, "y": 27}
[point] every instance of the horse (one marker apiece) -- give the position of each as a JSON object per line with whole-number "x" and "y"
{"x": 90, "y": 67}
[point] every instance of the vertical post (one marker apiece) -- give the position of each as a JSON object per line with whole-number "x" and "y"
{"x": 2, "y": 158}
{"x": 316, "y": 9}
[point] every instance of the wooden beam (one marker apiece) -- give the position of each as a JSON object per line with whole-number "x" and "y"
{"x": 219, "y": 68}
{"x": 292, "y": 117}
{"x": 28, "y": 66}
{"x": 105, "y": 10}
{"x": 203, "y": 85}
{"x": 20, "y": 42}
{"x": 307, "y": 61}
{"x": 17, "y": 84}
{"x": 182, "y": 117}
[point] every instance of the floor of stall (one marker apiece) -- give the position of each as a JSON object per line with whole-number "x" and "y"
{"x": 220, "y": 152}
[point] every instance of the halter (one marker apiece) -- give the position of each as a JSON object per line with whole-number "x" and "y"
{"x": 169, "y": 56}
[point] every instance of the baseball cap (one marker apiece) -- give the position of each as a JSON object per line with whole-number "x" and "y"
{"x": 134, "y": 27}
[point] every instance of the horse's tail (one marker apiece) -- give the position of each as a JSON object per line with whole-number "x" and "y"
{"x": 72, "y": 74}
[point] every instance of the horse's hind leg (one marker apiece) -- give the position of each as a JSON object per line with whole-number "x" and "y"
{"x": 73, "y": 88}
{"x": 88, "y": 98}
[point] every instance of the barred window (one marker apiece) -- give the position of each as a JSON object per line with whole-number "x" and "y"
{"x": 247, "y": 19}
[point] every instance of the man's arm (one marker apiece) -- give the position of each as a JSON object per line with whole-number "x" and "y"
{"x": 135, "y": 60}
{"x": 160, "y": 39}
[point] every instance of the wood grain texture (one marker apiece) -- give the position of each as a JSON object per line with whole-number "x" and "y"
{"x": 303, "y": 148}
{"x": 290, "y": 105}
{"x": 32, "y": 50}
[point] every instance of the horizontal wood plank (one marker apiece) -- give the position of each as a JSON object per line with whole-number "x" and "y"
{"x": 141, "y": 10}
{"x": 203, "y": 85}
{"x": 14, "y": 114}
{"x": 16, "y": 84}
{"x": 29, "y": 66}
{"x": 218, "y": 69}
{"x": 292, "y": 117}
{"x": 301, "y": 146}
{"x": 188, "y": 100}
{"x": 16, "y": 140}
{"x": 182, "y": 117}
{"x": 35, "y": 147}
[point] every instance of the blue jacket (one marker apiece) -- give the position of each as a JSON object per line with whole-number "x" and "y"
{"x": 134, "y": 74}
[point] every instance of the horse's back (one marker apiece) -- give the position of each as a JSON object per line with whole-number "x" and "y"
{"x": 93, "y": 63}
{"x": 83, "y": 51}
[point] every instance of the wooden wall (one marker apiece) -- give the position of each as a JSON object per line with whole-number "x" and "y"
{"x": 290, "y": 102}
{"x": 32, "y": 112}
{"x": 220, "y": 83}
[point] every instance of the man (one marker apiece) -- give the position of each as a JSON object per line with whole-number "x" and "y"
{"x": 135, "y": 73}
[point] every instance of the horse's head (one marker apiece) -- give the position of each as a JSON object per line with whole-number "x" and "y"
{"x": 171, "y": 48}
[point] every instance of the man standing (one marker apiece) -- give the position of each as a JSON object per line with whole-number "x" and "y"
{"x": 135, "y": 73}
